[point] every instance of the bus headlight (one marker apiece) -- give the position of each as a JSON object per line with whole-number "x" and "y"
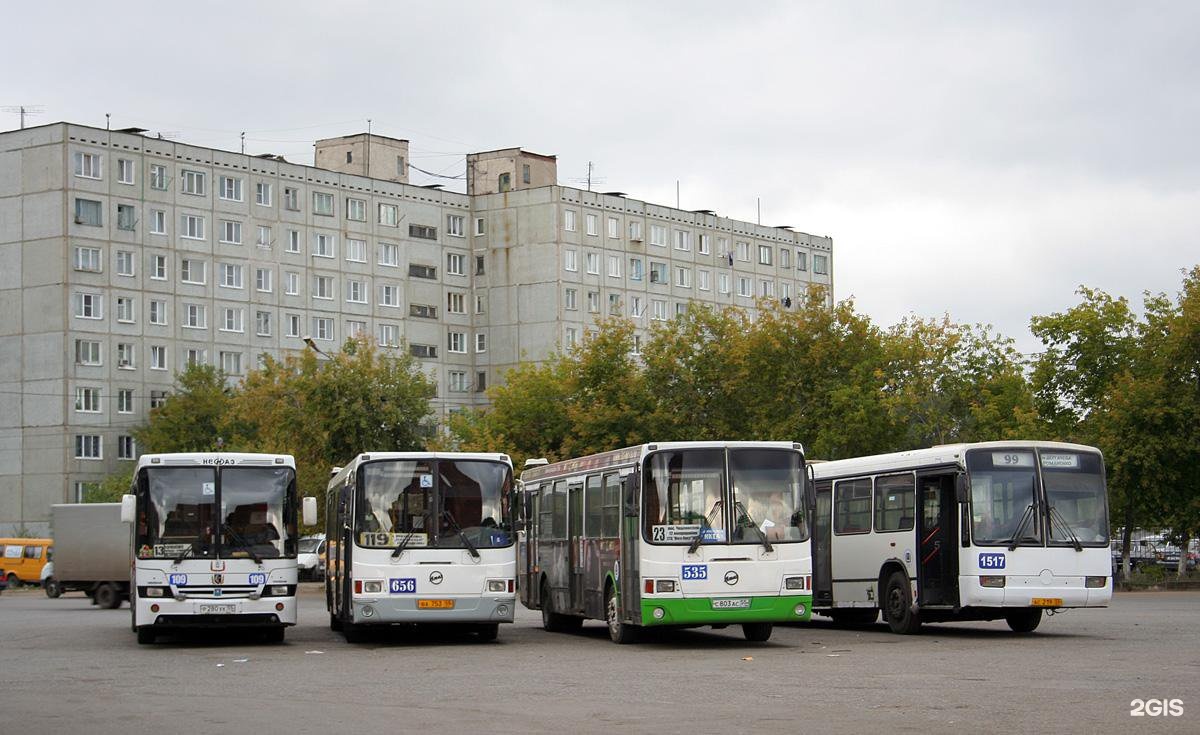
{"x": 799, "y": 610}
{"x": 1095, "y": 583}
{"x": 372, "y": 586}
{"x": 497, "y": 585}
{"x": 659, "y": 613}
{"x": 154, "y": 592}
{"x": 793, "y": 583}
{"x": 991, "y": 580}
{"x": 665, "y": 585}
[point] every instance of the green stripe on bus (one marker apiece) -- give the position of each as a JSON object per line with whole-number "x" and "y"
{"x": 700, "y": 611}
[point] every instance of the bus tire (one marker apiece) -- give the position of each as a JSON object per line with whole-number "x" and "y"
{"x": 854, "y": 617}
{"x": 552, "y": 621}
{"x": 620, "y": 632}
{"x": 487, "y": 632}
{"x": 53, "y": 588}
{"x": 898, "y": 605}
{"x": 354, "y": 633}
{"x": 274, "y": 634}
{"x": 146, "y": 635}
{"x": 757, "y": 632}
{"x": 335, "y": 623}
{"x": 107, "y": 596}
{"x": 1025, "y": 620}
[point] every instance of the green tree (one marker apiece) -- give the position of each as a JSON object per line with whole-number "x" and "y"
{"x": 111, "y": 489}
{"x": 192, "y": 417}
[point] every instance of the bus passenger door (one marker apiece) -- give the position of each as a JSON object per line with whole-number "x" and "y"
{"x": 937, "y": 571}
{"x": 575, "y": 539}
{"x": 822, "y": 559}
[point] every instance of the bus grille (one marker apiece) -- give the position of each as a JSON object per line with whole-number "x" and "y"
{"x": 229, "y": 592}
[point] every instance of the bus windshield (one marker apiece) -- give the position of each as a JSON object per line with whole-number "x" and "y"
{"x": 444, "y": 503}
{"x": 253, "y": 502}
{"x": 1003, "y": 498}
{"x": 178, "y": 513}
{"x": 1075, "y": 493}
{"x": 767, "y": 492}
{"x": 683, "y": 496}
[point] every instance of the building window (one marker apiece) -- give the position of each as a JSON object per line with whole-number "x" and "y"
{"x": 569, "y": 220}
{"x": 504, "y": 181}
{"x": 456, "y": 342}
{"x": 636, "y": 269}
{"x": 570, "y": 299}
{"x": 232, "y": 320}
{"x": 614, "y": 304}
{"x": 422, "y": 271}
{"x": 88, "y": 212}
{"x": 785, "y": 258}
{"x": 262, "y": 194}
{"x": 744, "y": 287}
{"x": 356, "y": 250}
{"x": 820, "y": 264}
{"x": 87, "y": 352}
{"x": 723, "y": 283}
{"x": 158, "y": 267}
{"x": 614, "y": 266}
{"x": 158, "y": 177}
{"x": 766, "y": 288}
{"x": 593, "y": 226}
{"x": 264, "y": 237}
{"x": 125, "y": 355}
{"x": 525, "y": 173}
{"x": 291, "y": 199}
{"x": 89, "y": 305}
{"x": 322, "y": 245}
{"x": 125, "y": 309}
{"x": 480, "y": 381}
{"x": 293, "y": 325}
{"x": 88, "y": 259}
{"x": 231, "y": 275}
{"x": 87, "y": 400}
{"x": 480, "y": 342}
{"x": 570, "y": 261}
{"x": 658, "y": 272}
{"x": 323, "y": 329}
{"x": 572, "y": 337}
{"x": 291, "y": 284}
{"x": 87, "y": 446}
{"x": 801, "y": 260}
{"x": 322, "y": 287}
{"x": 293, "y": 241}
{"x": 457, "y": 381}
{"x": 635, "y": 307}
{"x": 703, "y": 280}
{"x": 231, "y": 363}
{"x": 635, "y": 231}
{"x": 388, "y": 215}
{"x": 323, "y": 203}
{"x": 389, "y": 295}
{"x": 389, "y": 254}
{"x": 480, "y": 304}
{"x": 658, "y": 235}
{"x": 423, "y": 352}
{"x": 703, "y": 244}
{"x": 158, "y": 222}
{"x": 456, "y": 303}
{"x": 192, "y": 182}
{"x": 422, "y": 232}
{"x": 195, "y": 316}
{"x": 126, "y": 447}
{"x": 683, "y": 240}
{"x": 455, "y": 264}
{"x": 479, "y": 265}
{"x": 191, "y": 227}
{"x": 158, "y": 312}
{"x": 124, "y": 400}
{"x": 423, "y": 311}
{"x": 356, "y": 209}
{"x": 355, "y": 328}
{"x": 356, "y": 292}
{"x": 401, "y": 169}
{"x": 593, "y": 300}
{"x": 479, "y": 226}
{"x": 157, "y": 398}
{"x": 231, "y": 189}
{"x": 126, "y": 217}
{"x": 87, "y": 165}
{"x": 614, "y": 227}
{"x": 454, "y": 225}
{"x": 192, "y": 271}
{"x": 262, "y": 323}
{"x": 764, "y": 254}
{"x": 389, "y": 335}
{"x": 683, "y": 277}
{"x": 743, "y": 251}
{"x": 593, "y": 263}
{"x": 660, "y": 310}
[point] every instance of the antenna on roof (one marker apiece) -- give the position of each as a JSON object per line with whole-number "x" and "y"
{"x": 24, "y": 110}
{"x": 589, "y": 180}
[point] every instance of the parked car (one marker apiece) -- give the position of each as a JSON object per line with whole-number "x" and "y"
{"x": 310, "y": 558}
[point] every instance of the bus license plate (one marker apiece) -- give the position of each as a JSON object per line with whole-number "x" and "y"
{"x": 734, "y": 603}
{"x": 218, "y": 609}
{"x": 1047, "y": 602}
{"x": 435, "y": 604}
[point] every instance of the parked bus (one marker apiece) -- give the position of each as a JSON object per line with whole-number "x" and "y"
{"x": 987, "y": 531}
{"x": 677, "y": 534}
{"x": 214, "y": 542}
{"x": 420, "y": 537}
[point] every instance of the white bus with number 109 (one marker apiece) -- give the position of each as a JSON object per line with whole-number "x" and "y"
{"x": 214, "y": 542}
{"x": 985, "y": 531}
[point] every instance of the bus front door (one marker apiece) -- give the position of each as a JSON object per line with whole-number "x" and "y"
{"x": 822, "y": 560}
{"x": 575, "y": 534}
{"x": 937, "y": 573}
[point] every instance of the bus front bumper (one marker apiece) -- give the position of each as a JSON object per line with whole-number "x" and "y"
{"x": 386, "y": 610}
{"x": 1034, "y": 591}
{"x": 216, "y": 612}
{"x": 710, "y": 610}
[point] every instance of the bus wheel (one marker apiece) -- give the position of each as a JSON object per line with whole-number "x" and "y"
{"x": 107, "y": 597}
{"x": 1025, "y": 620}
{"x": 551, "y": 620}
{"x": 145, "y": 635}
{"x": 487, "y": 632}
{"x": 53, "y": 588}
{"x": 620, "y": 633}
{"x": 354, "y": 632}
{"x": 757, "y": 632}
{"x": 898, "y": 605}
{"x": 274, "y": 635}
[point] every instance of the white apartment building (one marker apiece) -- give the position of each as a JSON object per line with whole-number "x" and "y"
{"x": 127, "y": 257}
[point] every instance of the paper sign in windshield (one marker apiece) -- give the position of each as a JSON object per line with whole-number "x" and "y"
{"x": 172, "y": 549}
{"x": 1060, "y": 461}
{"x": 688, "y": 532}
{"x": 208, "y": 488}
{"x": 410, "y": 540}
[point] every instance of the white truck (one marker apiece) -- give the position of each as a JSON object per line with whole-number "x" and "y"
{"x": 91, "y": 553}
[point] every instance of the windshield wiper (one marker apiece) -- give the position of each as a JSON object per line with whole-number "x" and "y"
{"x": 1062, "y": 522}
{"x": 400, "y": 547}
{"x": 458, "y": 529}
{"x": 704, "y": 523}
{"x": 1016, "y": 537}
{"x": 737, "y": 505}
{"x": 241, "y": 542}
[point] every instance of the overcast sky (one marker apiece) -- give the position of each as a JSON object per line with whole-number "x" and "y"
{"x": 976, "y": 159}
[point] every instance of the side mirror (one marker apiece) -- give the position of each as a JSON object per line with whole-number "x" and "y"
{"x": 961, "y": 489}
{"x": 128, "y": 508}
{"x": 310, "y": 511}
{"x": 630, "y": 487}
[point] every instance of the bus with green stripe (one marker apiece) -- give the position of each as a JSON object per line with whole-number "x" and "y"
{"x": 673, "y": 534}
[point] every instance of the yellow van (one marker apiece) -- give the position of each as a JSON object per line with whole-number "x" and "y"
{"x": 22, "y": 559}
